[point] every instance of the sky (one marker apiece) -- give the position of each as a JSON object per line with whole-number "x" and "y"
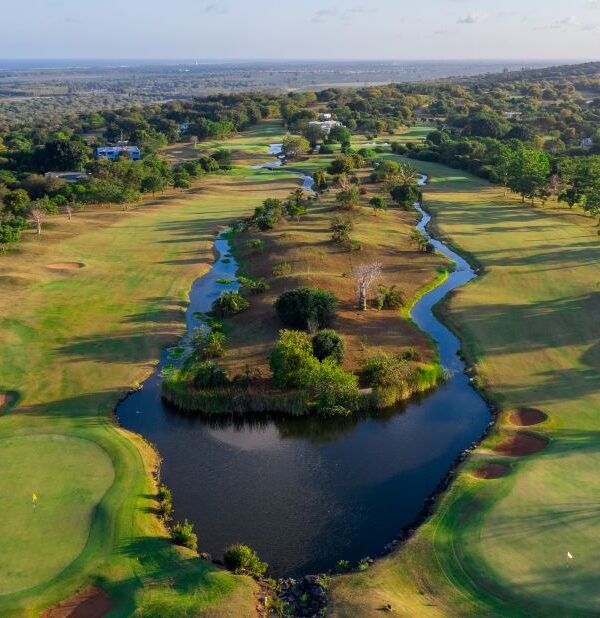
{"x": 307, "y": 29}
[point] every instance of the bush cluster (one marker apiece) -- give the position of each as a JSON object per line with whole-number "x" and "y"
{"x": 182, "y": 533}
{"x": 229, "y": 303}
{"x": 242, "y": 559}
{"x": 307, "y": 308}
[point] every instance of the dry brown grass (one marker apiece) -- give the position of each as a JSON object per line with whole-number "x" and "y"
{"x": 317, "y": 262}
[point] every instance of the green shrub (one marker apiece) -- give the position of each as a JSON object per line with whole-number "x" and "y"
{"x": 165, "y": 502}
{"x": 183, "y": 534}
{"x": 209, "y": 374}
{"x": 340, "y": 230}
{"x": 256, "y": 244}
{"x": 268, "y": 215}
{"x": 242, "y": 559}
{"x": 334, "y": 391}
{"x": 306, "y": 308}
{"x": 256, "y": 286}
{"x": 328, "y": 344}
{"x": 229, "y": 303}
{"x": 411, "y": 354}
{"x": 208, "y": 344}
{"x": 282, "y": 270}
{"x": 389, "y": 298}
{"x": 291, "y": 359}
{"x": 342, "y": 566}
{"x": 383, "y": 369}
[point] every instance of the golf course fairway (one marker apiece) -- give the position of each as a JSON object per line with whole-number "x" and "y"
{"x": 499, "y": 546}
{"x": 74, "y": 341}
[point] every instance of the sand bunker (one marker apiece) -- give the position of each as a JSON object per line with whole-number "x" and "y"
{"x": 93, "y": 602}
{"x": 66, "y": 265}
{"x": 521, "y": 444}
{"x": 491, "y": 471}
{"x": 5, "y": 400}
{"x": 524, "y": 417}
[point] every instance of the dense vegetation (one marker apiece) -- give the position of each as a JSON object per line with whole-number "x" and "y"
{"x": 538, "y": 134}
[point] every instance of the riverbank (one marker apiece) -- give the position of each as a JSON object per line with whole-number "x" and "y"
{"x": 492, "y": 546}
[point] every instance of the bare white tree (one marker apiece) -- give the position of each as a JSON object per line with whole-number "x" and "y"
{"x": 366, "y": 275}
{"x": 69, "y": 210}
{"x": 37, "y": 216}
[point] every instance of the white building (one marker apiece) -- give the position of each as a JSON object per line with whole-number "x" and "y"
{"x": 326, "y": 125}
{"x": 587, "y": 142}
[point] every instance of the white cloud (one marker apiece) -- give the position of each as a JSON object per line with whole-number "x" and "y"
{"x": 473, "y": 18}
{"x": 563, "y": 24}
{"x": 215, "y": 8}
{"x": 323, "y": 15}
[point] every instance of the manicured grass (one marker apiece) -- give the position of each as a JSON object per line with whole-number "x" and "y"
{"x": 530, "y": 325}
{"x": 73, "y": 342}
{"x": 69, "y": 476}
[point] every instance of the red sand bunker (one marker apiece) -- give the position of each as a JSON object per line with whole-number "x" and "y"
{"x": 66, "y": 265}
{"x": 521, "y": 444}
{"x": 5, "y": 400}
{"x": 524, "y": 417}
{"x": 93, "y": 602}
{"x": 490, "y": 471}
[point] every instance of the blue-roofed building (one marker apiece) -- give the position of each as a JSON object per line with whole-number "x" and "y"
{"x": 113, "y": 152}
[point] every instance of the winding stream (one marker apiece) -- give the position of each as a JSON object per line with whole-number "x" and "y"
{"x": 307, "y": 492}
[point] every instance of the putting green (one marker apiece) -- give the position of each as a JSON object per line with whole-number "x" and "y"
{"x": 69, "y": 476}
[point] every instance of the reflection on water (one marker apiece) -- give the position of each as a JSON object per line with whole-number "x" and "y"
{"x": 306, "y": 492}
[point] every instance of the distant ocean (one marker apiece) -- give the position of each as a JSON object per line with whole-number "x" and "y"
{"x": 445, "y": 66}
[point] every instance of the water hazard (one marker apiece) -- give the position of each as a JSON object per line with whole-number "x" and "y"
{"x": 307, "y": 492}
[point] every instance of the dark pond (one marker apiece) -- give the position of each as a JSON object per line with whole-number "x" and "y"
{"x": 305, "y": 492}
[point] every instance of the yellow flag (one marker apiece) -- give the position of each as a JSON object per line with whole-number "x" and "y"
{"x": 34, "y": 498}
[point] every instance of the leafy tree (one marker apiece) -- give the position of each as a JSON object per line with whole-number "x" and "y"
{"x": 208, "y": 344}
{"x": 340, "y": 230}
{"x": 334, "y": 391}
{"x": 209, "y": 374}
{"x": 340, "y": 134}
{"x": 528, "y": 173}
{"x": 379, "y": 204}
{"x": 153, "y": 183}
{"x": 229, "y": 303}
{"x": 291, "y": 356}
{"x": 348, "y": 197}
{"x": 421, "y": 241}
{"x": 328, "y": 344}
{"x": 294, "y": 146}
{"x": 405, "y": 195}
{"x": 16, "y": 202}
{"x": 307, "y": 308}
{"x": 320, "y": 180}
{"x": 10, "y": 230}
{"x": 314, "y": 134}
{"x": 62, "y": 155}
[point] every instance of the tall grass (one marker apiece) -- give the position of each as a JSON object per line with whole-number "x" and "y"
{"x": 424, "y": 378}
{"x": 239, "y": 400}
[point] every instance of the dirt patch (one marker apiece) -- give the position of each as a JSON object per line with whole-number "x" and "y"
{"x": 93, "y": 602}
{"x": 490, "y": 471}
{"x": 521, "y": 444}
{"x": 66, "y": 265}
{"x": 524, "y": 417}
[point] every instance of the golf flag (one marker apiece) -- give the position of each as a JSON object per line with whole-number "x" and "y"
{"x": 569, "y": 556}
{"x": 34, "y": 498}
